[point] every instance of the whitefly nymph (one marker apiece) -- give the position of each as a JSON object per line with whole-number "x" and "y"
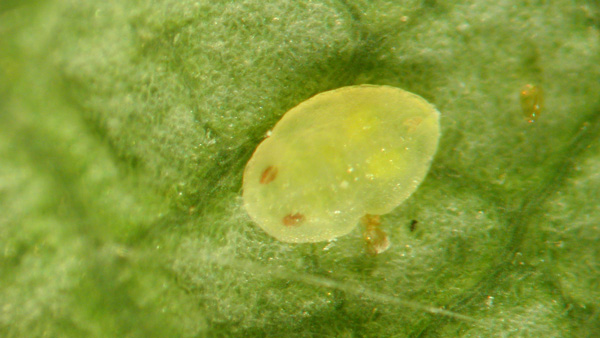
{"x": 341, "y": 156}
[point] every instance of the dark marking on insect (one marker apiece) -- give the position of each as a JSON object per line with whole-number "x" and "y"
{"x": 268, "y": 175}
{"x": 531, "y": 101}
{"x": 413, "y": 225}
{"x": 293, "y": 219}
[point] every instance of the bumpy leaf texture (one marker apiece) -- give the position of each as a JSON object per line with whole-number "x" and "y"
{"x": 125, "y": 127}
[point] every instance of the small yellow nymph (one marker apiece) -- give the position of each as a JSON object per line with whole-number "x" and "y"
{"x": 338, "y": 157}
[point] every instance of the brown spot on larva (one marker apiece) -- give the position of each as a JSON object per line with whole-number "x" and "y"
{"x": 413, "y": 225}
{"x": 268, "y": 175}
{"x": 412, "y": 123}
{"x": 293, "y": 219}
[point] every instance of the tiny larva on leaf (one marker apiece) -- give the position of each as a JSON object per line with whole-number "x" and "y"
{"x": 531, "y": 98}
{"x": 338, "y": 156}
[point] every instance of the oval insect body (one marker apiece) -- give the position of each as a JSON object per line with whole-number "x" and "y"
{"x": 531, "y": 98}
{"x": 337, "y": 157}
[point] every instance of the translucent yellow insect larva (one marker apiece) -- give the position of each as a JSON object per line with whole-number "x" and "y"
{"x": 338, "y": 156}
{"x": 531, "y": 98}
{"x": 376, "y": 239}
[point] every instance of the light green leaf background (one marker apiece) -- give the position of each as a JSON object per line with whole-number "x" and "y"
{"x": 125, "y": 127}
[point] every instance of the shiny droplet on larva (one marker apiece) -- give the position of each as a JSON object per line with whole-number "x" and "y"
{"x": 338, "y": 156}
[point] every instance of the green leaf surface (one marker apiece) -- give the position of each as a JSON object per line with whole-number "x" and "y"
{"x": 125, "y": 127}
